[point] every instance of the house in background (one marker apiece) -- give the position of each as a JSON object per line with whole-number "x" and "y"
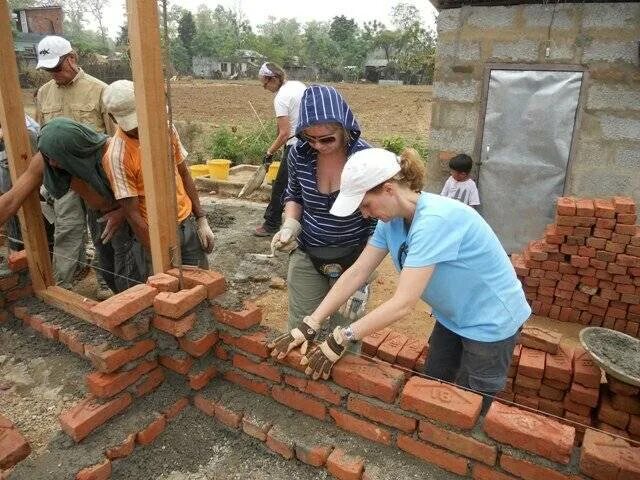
{"x": 244, "y": 63}
{"x": 545, "y": 97}
{"x": 32, "y": 25}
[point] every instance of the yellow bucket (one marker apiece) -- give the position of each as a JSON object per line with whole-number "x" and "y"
{"x": 272, "y": 173}
{"x": 219, "y": 168}
{"x": 199, "y": 170}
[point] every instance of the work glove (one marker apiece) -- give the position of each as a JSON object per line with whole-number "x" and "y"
{"x": 300, "y": 336}
{"x": 354, "y": 307}
{"x": 205, "y": 234}
{"x": 286, "y": 239}
{"x": 321, "y": 359}
{"x": 268, "y": 157}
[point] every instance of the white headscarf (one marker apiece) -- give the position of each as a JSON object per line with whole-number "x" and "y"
{"x": 265, "y": 72}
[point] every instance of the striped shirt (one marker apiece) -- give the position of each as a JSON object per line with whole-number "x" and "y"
{"x": 322, "y": 104}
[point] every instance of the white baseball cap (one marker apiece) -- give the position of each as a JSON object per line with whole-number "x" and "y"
{"x": 119, "y": 100}
{"x": 50, "y": 49}
{"x": 363, "y": 171}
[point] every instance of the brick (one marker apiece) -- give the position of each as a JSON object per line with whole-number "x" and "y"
{"x": 554, "y": 407}
{"x": 566, "y": 206}
{"x": 628, "y": 261}
{"x": 530, "y": 471}
{"x": 389, "y": 349}
{"x": 360, "y": 427}
{"x": 370, "y": 343}
{"x": 18, "y": 293}
{"x": 441, "y": 402}
{"x": 458, "y": 443}
{"x": 17, "y": 261}
{"x": 608, "y": 414}
{"x": 149, "y": 382}
{"x": 312, "y": 454}
{"x": 299, "y": 401}
{"x": 149, "y": 434}
{"x": 254, "y": 343}
{"x": 585, "y": 371}
{"x": 621, "y": 239}
{"x": 584, "y": 395}
{"x": 173, "y": 410}
{"x": 264, "y": 370}
{"x": 174, "y": 327}
{"x": 315, "y": 388}
{"x": 213, "y": 281}
{"x": 13, "y": 447}
{"x": 80, "y": 420}
{"x": 164, "y": 282}
{"x": 200, "y": 346}
{"x": 71, "y": 339}
{"x": 604, "y": 208}
{"x": 409, "y": 354}
{"x": 133, "y": 328}
{"x": 635, "y": 251}
{"x": 344, "y": 466}
{"x": 540, "y": 338}
{"x": 623, "y": 229}
{"x": 585, "y": 251}
{"x": 368, "y": 377}
{"x": 110, "y": 384}
{"x": 527, "y": 401}
{"x": 614, "y": 247}
{"x": 199, "y": 380}
{"x": 108, "y": 360}
{"x": 602, "y": 233}
{"x": 609, "y": 294}
{"x": 179, "y": 362}
{"x": 123, "y": 449}
{"x": 249, "y": 317}
{"x": 579, "y": 262}
{"x": 568, "y": 250}
{"x": 482, "y": 472}
{"x": 381, "y": 414}
{"x": 604, "y": 457}
{"x": 634, "y": 425}
{"x": 529, "y": 383}
{"x": 124, "y": 305}
{"x": 624, "y": 204}
{"x": 208, "y": 407}
{"x": 621, "y": 388}
{"x": 585, "y": 207}
{"x": 597, "y": 243}
{"x": 626, "y": 404}
{"x": 531, "y": 363}
{"x": 279, "y": 442}
{"x": 9, "y": 282}
{"x": 176, "y": 305}
{"x": 255, "y": 427}
{"x": 626, "y": 218}
{"x": 434, "y": 455}
{"x": 529, "y": 431}
{"x": 577, "y": 408}
{"x": 227, "y": 416}
{"x": 550, "y": 393}
{"x": 100, "y": 471}
{"x": 256, "y": 386}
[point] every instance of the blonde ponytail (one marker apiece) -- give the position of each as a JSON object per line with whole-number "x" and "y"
{"x": 412, "y": 169}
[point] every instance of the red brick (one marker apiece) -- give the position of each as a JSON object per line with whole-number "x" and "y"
{"x": 531, "y": 363}
{"x": 122, "y": 450}
{"x": 577, "y": 408}
{"x": 608, "y": 414}
{"x": 255, "y": 343}
{"x": 624, "y": 204}
{"x": 199, "y": 380}
{"x": 628, "y": 261}
{"x": 609, "y": 294}
{"x": 122, "y": 306}
{"x": 149, "y": 434}
{"x": 176, "y": 305}
{"x": 227, "y": 416}
{"x": 314, "y": 455}
{"x": 620, "y": 238}
{"x": 381, "y": 414}
{"x": 585, "y": 371}
{"x": 529, "y": 431}
{"x": 528, "y": 382}
{"x": 370, "y": 343}
{"x": 360, "y": 427}
{"x": 629, "y": 298}
{"x": 634, "y": 425}
{"x": 568, "y": 250}
{"x": 585, "y": 251}
{"x": 579, "y": 262}
{"x": 584, "y": 207}
{"x": 293, "y": 360}
{"x": 434, "y": 455}
{"x": 530, "y": 471}
{"x": 409, "y": 354}
{"x": 175, "y": 408}
{"x": 17, "y": 261}
{"x": 13, "y": 447}
{"x": 635, "y": 251}
{"x": 249, "y": 317}
{"x": 101, "y": 471}
{"x": 625, "y": 403}
{"x": 71, "y": 339}
{"x": 212, "y": 281}
{"x": 550, "y": 393}
{"x": 441, "y": 402}
{"x": 256, "y": 386}
{"x": 389, "y": 349}
{"x": 132, "y": 329}
{"x": 220, "y": 352}
{"x": 621, "y": 388}
{"x": 312, "y": 387}
{"x": 255, "y": 427}
{"x": 604, "y": 208}
{"x": 623, "y": 229}
{"x": 540, "y": 338}
{"x": 482, "y": 472}
{"x": 299, "y": 401}
{"x": 163, "y": 282}
{"x": 626, "y": 218}
{"x": 604, "y": 457}
{"x": 566, "y": 206}
{"x": 282, "y": 444}
{"x": 174, "y": 327}
{"x": 613, "y": 247}
{"x": 80, "y": 420}
{"x": 208, "y": 407}
{"x": 270, "y": 372}
{"x": 178, "y": 362}
{"x": 462, "y": 444}
{"x": 110, "y": 384}
{"x": 149, "y": 382}
{"x": 344, "y": 466}
{"x": 108, "y": 360}
{"x": 199, "y": 347}
{"x": 554, "y": 407}
{"x": 368, "y": 377}
{"x": 584, "y": 395}
{"x": 598, "y": 243}
{"x": 531, "y": 401}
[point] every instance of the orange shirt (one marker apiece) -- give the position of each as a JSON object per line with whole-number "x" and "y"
{"x": 123, "y": 165}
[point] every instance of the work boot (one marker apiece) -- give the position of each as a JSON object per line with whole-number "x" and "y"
{"x": 262, "y": 231}
{"x": 103, "y": 292}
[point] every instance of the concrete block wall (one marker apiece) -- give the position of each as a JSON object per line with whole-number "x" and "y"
{"x": 603, "y": 37}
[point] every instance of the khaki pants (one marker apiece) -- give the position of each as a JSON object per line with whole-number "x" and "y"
{"x": 69, "y": 237}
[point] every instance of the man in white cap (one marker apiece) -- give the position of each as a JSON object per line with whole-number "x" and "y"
{"x": 76, "y": 95}
{"x": 123, "y": 165}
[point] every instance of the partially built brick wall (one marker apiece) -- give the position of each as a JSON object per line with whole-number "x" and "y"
{"x": 180, "y": 334}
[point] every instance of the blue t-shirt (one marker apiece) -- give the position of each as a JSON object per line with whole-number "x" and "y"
{"x": 474, "y": 290}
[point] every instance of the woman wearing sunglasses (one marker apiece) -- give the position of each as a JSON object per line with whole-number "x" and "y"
{"x": 446, "y": 254}
{"x": 322, "y": 245}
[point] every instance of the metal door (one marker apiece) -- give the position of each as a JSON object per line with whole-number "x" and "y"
{"x": 526, "y": 143}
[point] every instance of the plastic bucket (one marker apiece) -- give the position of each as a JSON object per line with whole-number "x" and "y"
{"x": 272, "y": 173}
{"x": 219, "y": 168}
{"x": 199, "y": 170}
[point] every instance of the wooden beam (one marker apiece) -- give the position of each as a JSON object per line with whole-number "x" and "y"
{"x": 18, "y": 150}
{"x": 74, "y": 304}
{"x": 157, "y": 165}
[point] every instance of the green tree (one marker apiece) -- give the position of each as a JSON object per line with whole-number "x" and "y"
{"x": 187, "y": 31}
{"x": 281, "y": 39}
{"x": 320, "y": 50}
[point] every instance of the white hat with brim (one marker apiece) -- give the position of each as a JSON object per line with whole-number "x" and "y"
{"x": 119, "y": 100}
{"x": 50, "y": 49}
{"x": 363, "y": 171}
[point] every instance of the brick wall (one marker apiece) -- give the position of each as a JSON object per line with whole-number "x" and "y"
{"x": 45, "y": 20}
{"x": 601, "y": 36}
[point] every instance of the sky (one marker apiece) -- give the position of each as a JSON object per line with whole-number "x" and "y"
{"x": 257, "y": 11}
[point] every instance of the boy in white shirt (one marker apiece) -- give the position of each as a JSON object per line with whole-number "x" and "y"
{"x": 460, "y": 185}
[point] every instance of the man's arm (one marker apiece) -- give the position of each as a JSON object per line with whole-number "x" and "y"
{"x": 27, "y": 183}
{"x": 131, "y": 207}
{"x": 283, "y": 135}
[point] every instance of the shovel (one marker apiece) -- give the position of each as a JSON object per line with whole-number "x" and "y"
{"x": 258, "y": 177}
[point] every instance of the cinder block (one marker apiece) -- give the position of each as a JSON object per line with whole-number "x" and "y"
{"x": 492, "y": 17}
{"x": 626, "y": 52}
{"x": 603, "y": 15}
{"x": 448, "y": 20}
{"x": 540, "y": 16}
{"x": 459, "y": 92}
{"x": 613, "y": 97}
{"x": 523, "y": 50}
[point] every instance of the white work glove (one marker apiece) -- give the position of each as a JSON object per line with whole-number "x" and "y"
{"x": 354, "y": 307}
{"x": 286, "y": 239}
{"x": 300, "y": 336}
{"x": 205, "y": 234}
{"x": 322, "y": 358}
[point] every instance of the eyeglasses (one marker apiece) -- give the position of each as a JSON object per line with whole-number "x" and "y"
{"x": 266, "y": 81}
{"x": 402, "y": 254}
{"x": 326, "y": 140}
{"x": 58, "y": 67}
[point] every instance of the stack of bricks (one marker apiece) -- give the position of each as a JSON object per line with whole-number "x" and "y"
{"x": 17, "y": 284}
{"x": 586, "y": 269}
{"x": 619, "y": 409}
{"x": 396, "y": 348}
{"x": 13, "y": 446}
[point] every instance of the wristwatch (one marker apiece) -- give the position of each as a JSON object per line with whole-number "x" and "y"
{"x": 348, "y": 334}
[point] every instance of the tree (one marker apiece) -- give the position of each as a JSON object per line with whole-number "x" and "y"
{"x": 187, "y": 31}
{"x": 122, "y": 40}
{"x": 96, "y": 9}
{"x": 74, "y": 16}
{"x": 343, "y": 30}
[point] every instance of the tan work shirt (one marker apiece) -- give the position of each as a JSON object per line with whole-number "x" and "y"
{"x": 80, "y": 100}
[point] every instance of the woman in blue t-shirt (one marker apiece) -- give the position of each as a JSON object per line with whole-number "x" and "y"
{"x": 446, "y": 254}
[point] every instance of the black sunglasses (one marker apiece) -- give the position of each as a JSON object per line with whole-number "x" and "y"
{"x": 58, "y": 67}
{"x": 402, "y": 254}
{"x": 322, "y": 140}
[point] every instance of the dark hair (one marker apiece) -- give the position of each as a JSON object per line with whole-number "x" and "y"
{"x": 461, "y": 163}
{"x": 277, "y": 71}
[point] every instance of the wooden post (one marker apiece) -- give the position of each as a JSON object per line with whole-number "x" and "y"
{"x": 157, "y": 166}
{"x": 19, "y": 152}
